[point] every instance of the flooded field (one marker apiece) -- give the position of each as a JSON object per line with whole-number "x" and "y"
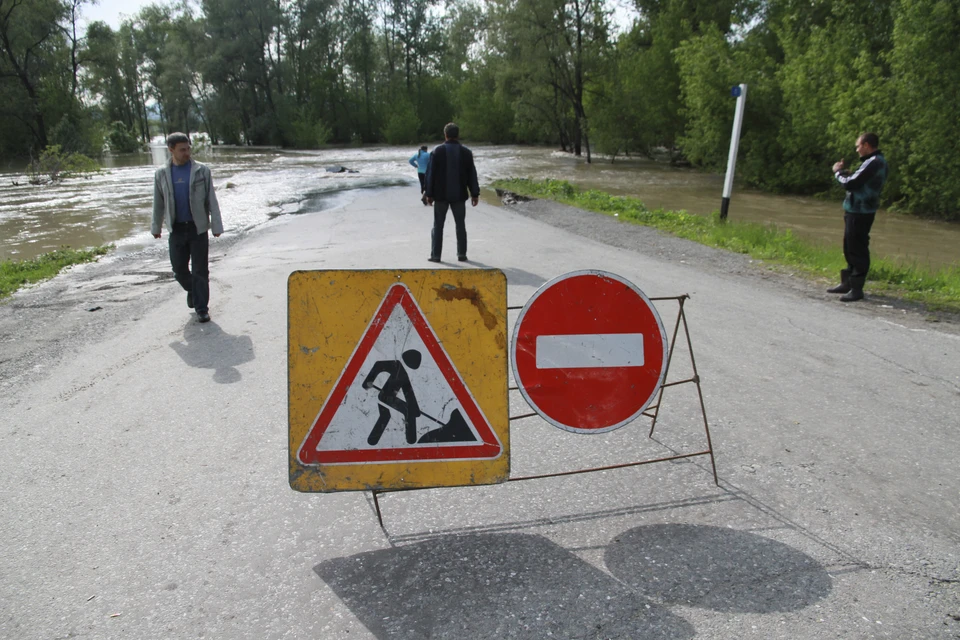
{"x": 255, "y": 186}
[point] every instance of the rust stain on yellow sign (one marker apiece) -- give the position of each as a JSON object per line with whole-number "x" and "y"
{"x": 397, "y": 379}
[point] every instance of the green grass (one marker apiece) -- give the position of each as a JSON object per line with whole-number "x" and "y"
{"x": 938, "y": 290}
{"x": 17, "y": 273}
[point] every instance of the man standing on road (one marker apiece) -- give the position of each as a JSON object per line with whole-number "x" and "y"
{"x": 420, "y": 160}
{"x": 184, "y": 198}
{"x": 451, "y": 173}
{"x": 859, "y": 209}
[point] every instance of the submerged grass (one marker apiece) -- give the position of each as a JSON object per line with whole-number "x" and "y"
{"x": 17, "y": 273}
{"x": 938, "y": 290}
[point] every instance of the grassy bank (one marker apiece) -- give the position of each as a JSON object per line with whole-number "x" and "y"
{"x": 17, "y": 273}
{"x": 938, "y": 290}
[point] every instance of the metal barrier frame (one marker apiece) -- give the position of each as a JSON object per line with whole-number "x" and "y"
{"x": 650, "y": 412}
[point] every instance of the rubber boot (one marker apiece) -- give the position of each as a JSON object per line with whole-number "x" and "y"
{"x": 856, "y": 289}
{"x": 844, "y": 286}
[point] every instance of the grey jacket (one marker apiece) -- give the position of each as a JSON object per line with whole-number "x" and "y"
{"x": 203, "y": 200}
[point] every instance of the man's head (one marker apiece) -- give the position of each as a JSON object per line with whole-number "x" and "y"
{"x": 423, "y": 147}
{"x": 867, "y": 143}
{"x": 179, "y": 146}
{"x": 451, "y": 131}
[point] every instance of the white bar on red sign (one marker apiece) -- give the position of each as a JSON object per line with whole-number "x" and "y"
{"x": 583, "y": 351}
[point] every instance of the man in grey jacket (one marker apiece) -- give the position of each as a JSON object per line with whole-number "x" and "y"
{"x": 184, "y": 199}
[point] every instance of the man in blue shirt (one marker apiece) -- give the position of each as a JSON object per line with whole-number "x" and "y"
{"x": 450, "y": 175}
{"x": 184, "y": 199}
{"x": 420, "y": 160}
{"x": 859, "y": 210}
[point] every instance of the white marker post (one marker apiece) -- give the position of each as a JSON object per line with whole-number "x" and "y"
{"x": 740, "y": 91}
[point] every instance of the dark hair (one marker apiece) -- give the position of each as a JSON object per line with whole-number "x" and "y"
{"x": 176, "y": 138}
{"x": 423, "y": 147}
{"x": 871, "y": 139}
{"x": 451, "y": 131}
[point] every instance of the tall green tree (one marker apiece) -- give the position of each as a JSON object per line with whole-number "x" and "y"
{"x": 559, "y": 45}
{"x": 32, "y": 60}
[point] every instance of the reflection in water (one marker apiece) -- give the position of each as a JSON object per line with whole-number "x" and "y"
{"x": 257, "y": 184}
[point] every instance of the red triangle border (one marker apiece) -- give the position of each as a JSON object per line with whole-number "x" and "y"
{"x": 490, "y": 446}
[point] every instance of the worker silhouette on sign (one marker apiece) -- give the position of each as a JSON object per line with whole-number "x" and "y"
{"x": 398, "y": 381}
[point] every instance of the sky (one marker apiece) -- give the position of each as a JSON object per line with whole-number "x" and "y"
{"x": 110, "y": 11}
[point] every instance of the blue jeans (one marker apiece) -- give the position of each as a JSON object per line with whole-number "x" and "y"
{"x": 188, "y": 257}
{"x": 439, "y": 218}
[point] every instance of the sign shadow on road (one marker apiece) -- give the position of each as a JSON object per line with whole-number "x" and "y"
{"x": 515, "y": 277}
{"x": 499, "y": 585}
{"x": 208, "y": 346}
{"x": 502, "y": 585}
{"x": 716, "y": 568}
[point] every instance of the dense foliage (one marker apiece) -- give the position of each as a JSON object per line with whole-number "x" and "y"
{"x": 302, "y": 73}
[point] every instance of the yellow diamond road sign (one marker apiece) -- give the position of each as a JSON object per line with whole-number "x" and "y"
{"x": 397, "y": 379}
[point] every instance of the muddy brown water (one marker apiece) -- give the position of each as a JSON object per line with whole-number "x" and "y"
{"x": 257, "y": 185}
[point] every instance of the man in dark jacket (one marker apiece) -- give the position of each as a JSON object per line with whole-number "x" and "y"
{"x": 450, "y": 174}
{"x": 859, "y": 209}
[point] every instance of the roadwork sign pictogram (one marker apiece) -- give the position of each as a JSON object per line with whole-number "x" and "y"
{"x": 400, "y": 353}
{"x": 414, "y": 402}
{"x": 589, "y": 351}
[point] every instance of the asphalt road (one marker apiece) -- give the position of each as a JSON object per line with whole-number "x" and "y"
{"x": 144, "y": 489}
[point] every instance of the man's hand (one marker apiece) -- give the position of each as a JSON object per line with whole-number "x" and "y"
{"x": 429, "y": 200}
{"x": 474, "y": 200}
{"x": 216, "y": 235}
{"x": 838, "y": 166}
{"x": 156, "y": 235}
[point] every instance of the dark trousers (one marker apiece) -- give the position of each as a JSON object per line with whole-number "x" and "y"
{"x": 439, "y": 217}
{"x": 423, "y": 181}
{"x": 188, "y": 257}
{"x": 856, "y": 245}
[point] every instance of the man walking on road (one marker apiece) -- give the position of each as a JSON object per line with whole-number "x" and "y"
{"x": 859, "y": 209}
{"x": 451, "y": 173}
{"x": 183, "y": 198}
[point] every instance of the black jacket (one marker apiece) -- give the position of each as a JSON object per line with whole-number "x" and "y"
{"x": 863, "y": 185}
{"x": 451, "y": 173}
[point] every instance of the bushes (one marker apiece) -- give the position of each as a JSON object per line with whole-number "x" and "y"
{"x": 122, "y": 140}
{"x": 54, "y": 165}
{"x": 403, "y": 125}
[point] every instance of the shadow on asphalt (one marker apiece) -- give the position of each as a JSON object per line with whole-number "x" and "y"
{"x": 514, "y": 276}
{"x": 513, "y": 585}
{"x": 716, "y": 568}
{"x": 501, "y": 585}
{"x": 207, "y": 346}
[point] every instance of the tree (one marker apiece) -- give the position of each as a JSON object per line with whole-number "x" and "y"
{"x": 558, "y": 44}
{"x": 31, "y": 50}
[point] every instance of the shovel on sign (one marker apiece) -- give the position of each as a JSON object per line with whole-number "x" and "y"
{"x": 455, "y": 430}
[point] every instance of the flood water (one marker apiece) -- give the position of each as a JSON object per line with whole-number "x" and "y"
{"x": 255, "y": 186}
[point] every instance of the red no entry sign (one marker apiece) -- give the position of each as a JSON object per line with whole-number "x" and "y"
{"x": 589, "y": 351}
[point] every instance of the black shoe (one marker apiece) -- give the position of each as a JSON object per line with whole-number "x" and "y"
{"x": 203, "y": 316}
{"x": 852, "y": 296}
{"x": 190, "y": 299}
{"x": 432, "y": 259}
{"x": 462, "y": 258}
{"x": 844, "y": 286}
